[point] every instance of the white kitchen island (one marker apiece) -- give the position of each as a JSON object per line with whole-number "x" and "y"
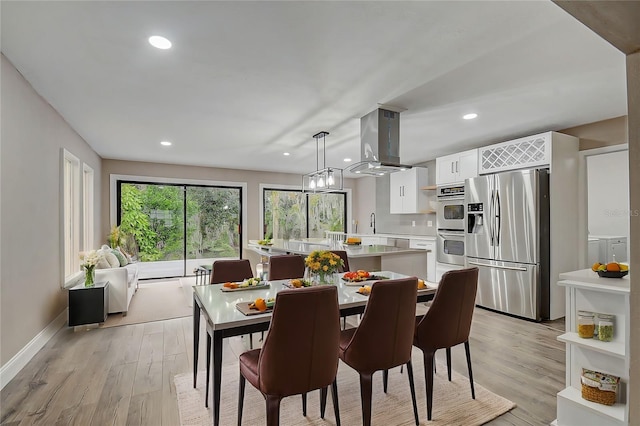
{"x": 407, "y": 261}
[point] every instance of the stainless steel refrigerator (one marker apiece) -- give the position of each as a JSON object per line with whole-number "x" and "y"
{"x": 507, "y": 238}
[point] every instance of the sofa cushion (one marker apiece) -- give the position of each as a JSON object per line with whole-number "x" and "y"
{"x": 121, "y": 259}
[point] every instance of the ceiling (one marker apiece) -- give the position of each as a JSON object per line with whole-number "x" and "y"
{"x": 247, "y": 81}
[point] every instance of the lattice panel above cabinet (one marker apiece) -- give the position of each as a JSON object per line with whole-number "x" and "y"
{"x": 521, "y": 153}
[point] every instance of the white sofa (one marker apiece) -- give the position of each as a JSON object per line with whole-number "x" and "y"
{"x": 123, "y": 283}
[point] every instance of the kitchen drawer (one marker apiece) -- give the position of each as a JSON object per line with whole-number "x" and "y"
{"x": 422, "y": 244}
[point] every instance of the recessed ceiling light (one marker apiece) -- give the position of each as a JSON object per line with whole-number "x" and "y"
{"x": 165, "y": 143}
{"x": 347, "y": 160}
{"x": 159, "y": 42}
{"x": 357, "y": 171}
{"x": 470, "y": 116}
{"x": 380, "y": 174}
{"x": 286, "y": 154}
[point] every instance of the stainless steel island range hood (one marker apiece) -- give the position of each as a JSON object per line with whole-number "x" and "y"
{"x": 380, "y": 144}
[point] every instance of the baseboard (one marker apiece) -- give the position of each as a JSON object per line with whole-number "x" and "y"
{"x": 19, "y": 360}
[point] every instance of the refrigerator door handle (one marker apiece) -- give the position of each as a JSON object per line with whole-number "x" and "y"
{"x": 491, "y": 222}
{"x": 498, "y": 221}
{"x": 510, "y": 268}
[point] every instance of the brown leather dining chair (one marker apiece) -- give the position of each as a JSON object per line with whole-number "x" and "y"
{"x": 384, "y": 338}
{"x": 345, "y": 259}
{"x": 299, "y": 354}
{"x": 232, "y": 270}
{"x": 447, "y": 323}
{"x": 286, "y": 266}
{"x": 222, "y": 271}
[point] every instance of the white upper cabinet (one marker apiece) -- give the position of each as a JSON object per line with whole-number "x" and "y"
{"x": 405, "y": 195}
{"x": 456, "y": 167}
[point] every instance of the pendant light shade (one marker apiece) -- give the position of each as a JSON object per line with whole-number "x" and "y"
{"x": 327, "y": 179}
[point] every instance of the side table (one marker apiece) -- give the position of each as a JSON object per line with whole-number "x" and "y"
{"x": 88, "y": 305}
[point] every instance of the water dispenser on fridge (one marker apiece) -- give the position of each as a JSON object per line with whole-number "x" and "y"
{"x": 475, "y": 218}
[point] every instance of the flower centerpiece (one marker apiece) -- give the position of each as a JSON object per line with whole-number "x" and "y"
{"x": 322, "y": 264}
{"x": 89, "y": 261}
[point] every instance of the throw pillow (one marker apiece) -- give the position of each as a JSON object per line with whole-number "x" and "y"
{"x": 103, "y": 264}
{"x": 123, "y": 260}
{"x": 126, "y": 255}
{"x": 110, "y": 258}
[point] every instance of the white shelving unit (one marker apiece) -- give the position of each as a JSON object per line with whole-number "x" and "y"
{"x": 587, "y": 291}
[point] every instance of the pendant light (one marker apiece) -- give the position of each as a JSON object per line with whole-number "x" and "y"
{"x": 327, "y": 179}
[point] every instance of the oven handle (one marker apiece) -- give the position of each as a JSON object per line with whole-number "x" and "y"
{"x": 510, "y": 268}
{"x": 450, "y": 197}
{"x": 451, "y": 234}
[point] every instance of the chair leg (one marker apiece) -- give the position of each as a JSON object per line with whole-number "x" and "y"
{"x": 385, "y": 380}
{"x": 304, "y": 404}
{"x": 344, "y": 323}
{"x": 250, "y": 340}
{"x": 206, "y": 392}
{"x": 449, "y": 363}
{"x": 241, "y": 399}
{"x": 428, "y": 378}
{"x": 334, "y": 397}
{"x": 323, "y": 401}
{"x": 466, "y": 349}
{"x": 273, "y": 410}
{"x": 365, "y": 395}
{"x": 413, "y": 392}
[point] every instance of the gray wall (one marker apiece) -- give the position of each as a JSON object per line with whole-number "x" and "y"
{"x": 32, "y": 135}
{"x": 388, "y": 223}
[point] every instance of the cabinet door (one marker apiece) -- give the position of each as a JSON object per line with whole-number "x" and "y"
{"x": 396, "y": 187}
{"x": 467, "y": 165}
{"x": 446, "y": 169}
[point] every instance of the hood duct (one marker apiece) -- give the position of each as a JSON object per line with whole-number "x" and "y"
{"x": 380, "y": 144}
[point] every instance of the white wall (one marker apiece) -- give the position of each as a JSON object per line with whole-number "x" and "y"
{"x": 608, "y": 193}
{"x": 33, "y": 135}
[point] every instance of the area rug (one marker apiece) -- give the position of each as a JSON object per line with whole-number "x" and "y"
{"x": 452, "y": 403}
{"x": 154, "y": 301}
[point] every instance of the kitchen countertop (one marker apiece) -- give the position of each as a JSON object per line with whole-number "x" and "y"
{"x": 306, "y": 246}
{"x": 588, "y": 279}
{"x": 405, "y": 236}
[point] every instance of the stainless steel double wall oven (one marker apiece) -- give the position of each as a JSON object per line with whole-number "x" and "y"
{"x": 450, "y": 221}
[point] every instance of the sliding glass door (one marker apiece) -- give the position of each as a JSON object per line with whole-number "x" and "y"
{"x": 175, "y": 228}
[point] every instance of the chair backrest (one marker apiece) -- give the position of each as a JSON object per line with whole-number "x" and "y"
{"x": 300, "y": 352}
{"x": 385, "y": 335}
{"x": 448, "y": 321}
{"x": 286, "y": 266}
{"x": 345, "y": 259}
{"x": 236, "y": 270}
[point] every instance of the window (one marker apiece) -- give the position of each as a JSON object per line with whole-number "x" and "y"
{"x": 174, "y": 228}
{"x": 87, "y": 207}
{"x": 71, "y": 213}
{"x": 289, "y": 213}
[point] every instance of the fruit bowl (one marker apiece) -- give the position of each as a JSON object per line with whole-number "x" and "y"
{"x": 612, "y": 274}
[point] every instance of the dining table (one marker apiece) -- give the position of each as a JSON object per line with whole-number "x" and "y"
{"x": 224, "y": 319}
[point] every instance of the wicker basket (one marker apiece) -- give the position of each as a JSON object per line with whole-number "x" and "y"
{"x": 599, "y": 387}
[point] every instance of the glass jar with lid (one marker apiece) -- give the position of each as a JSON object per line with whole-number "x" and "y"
{"x": 605, "y": 327}
{"x": 586, "y": 324}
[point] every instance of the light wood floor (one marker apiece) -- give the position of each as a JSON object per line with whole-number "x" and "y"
{"x": 124, "y": 375}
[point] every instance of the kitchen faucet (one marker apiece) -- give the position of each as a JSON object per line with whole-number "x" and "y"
{"x": 373, "y": 222}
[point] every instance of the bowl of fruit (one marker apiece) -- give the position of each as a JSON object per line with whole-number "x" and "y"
{"x": 611, "y": 269}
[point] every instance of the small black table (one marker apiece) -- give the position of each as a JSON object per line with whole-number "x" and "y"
{"x": 88, "y": 305}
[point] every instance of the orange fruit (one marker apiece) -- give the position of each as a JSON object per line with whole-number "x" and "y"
{"x": 421, "y": 285}
{"x": 613, "y": 267}
{"x": 261, "y": 305}
{"x": 595, "y": 266}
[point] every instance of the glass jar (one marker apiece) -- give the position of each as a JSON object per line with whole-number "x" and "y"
{"x": 586, "y": 324}
{"x": 605, "y": 327}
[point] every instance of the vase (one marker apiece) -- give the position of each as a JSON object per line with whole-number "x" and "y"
{"x": 323, "y": 278}
{"x": 89, "y": 275}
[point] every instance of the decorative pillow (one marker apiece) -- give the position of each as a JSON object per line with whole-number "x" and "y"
{"x": 110, "y": 258}
{"x": 105, "y": 247}
{"x": 126, "y": 255}
{"x": 103, "y": 264}
{"x": 121, "y": 259}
